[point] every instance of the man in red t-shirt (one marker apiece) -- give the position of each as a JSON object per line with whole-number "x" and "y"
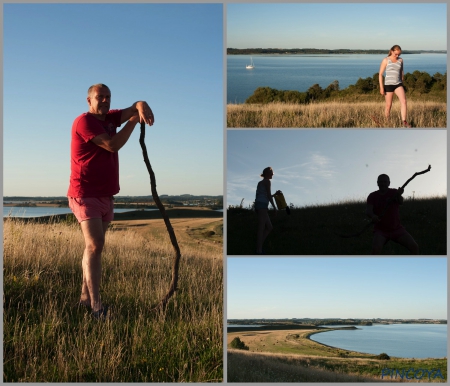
{"x": 94, "y": 179}
{"x": 383, "y": 209}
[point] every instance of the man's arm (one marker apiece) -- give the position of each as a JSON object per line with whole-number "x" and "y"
{"x": 116, "y": 142}
{"x": 399, "y": 197}
{"x": 369, "y": 212}
{"x": 141, "y": 109}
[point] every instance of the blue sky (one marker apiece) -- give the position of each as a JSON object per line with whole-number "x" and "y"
{"x": 413, "y": 26}
{"x": 170, "y": 55}
{"x": 336, "y": 287}
{"x": 326, "y": 166}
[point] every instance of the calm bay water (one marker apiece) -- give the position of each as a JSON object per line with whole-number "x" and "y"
{"x": 398, "y": 340}
{"x": 20, "y": 211}
{"x": 242, "y": 325}
{"x": 300, "y": 72}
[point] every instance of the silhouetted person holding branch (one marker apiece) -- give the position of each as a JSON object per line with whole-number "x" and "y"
{"x": 262, "y": 199}
{"x": 383, "y": 209}
{"x": 393, "y": 83}
{"x": 94, "y": 179}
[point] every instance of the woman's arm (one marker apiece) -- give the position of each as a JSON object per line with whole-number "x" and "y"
{"x": 269, "y": 193}
{"x": 402, "y": 73}
{"x": 380, "y": 75}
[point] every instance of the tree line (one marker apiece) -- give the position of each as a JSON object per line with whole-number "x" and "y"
{"x": 310, "y": 51}
{"x": 416, "y": 83}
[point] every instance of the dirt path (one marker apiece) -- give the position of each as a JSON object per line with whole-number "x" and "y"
{"x": 207, "y": 231}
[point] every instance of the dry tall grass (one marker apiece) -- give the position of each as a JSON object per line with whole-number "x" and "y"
{"x": 336, "y": 114}
{"x": 268, "y": 367}
{"x": 48, "y": 338}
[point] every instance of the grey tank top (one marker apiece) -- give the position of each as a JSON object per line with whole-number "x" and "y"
{"x": 261, "y": 193}
{"x": 393, "y": 72}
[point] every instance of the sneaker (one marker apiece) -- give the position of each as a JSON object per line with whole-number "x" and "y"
{"x": 406, "y": 124}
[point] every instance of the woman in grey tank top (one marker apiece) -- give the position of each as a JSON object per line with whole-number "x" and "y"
{"x": 393, "y": 65}
{"x": 262, "y": 199}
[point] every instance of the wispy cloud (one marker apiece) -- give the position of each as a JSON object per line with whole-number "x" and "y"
{"x": 317, "y": 167}
{"x": 238, "y": 186}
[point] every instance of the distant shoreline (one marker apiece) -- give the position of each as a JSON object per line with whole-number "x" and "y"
{"x": 318, "y": 51}
{"x": 173, "y": 213}
{"x": 307, "y": 336}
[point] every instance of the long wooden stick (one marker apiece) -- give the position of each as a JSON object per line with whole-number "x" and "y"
{"x": 367, "y": 226}
{"x": 176, "y": 261}
{"x": 416, "y": 174}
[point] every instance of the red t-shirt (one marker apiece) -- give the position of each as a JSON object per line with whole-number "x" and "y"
{"x": 94, "y": 170}
{"x": 391, "y": 219}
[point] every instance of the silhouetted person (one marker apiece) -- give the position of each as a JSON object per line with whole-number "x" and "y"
{"x": 383, "y": 209}
{"x": 262, "y": 199}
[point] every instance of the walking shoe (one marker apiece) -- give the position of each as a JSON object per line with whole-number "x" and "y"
{"x": 406, "y": 124}
{"x": 101, "y": 314}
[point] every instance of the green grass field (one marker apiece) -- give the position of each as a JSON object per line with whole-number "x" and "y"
{"x": 47, "y": 337}
{"x": 244, "y": 366}
{"x": 311, "y": 230}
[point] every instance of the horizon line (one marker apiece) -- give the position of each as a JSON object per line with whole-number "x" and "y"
{"x": 331, "y": 49}
{"x": 137, "y": 195}
{"x": 335, "y": 318}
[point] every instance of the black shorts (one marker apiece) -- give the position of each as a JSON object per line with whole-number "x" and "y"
{"x": 392, "y": 87}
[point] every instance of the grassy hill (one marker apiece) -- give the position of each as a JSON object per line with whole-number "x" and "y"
{"x": 246, "y": 366}
{"x": 47, "y": 337}
{"x": 280, "y": 355}
{"x": 311, "y": 230}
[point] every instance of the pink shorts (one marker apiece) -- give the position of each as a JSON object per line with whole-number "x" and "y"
{"x": 392, "y": 235}
{"x": 86, "y": 208}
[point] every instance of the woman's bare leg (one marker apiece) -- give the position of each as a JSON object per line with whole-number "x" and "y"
{"x": 264, "y": 228}
{"x": 388, "y": 97}
{"x": 400, "y": 92}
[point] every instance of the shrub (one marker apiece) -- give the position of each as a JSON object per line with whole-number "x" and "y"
{"x": 417, "y": 82}
{"x": 264, "y": 95}
{"x": 239, "y": 344}
{"x": 295, "y": 97}
{"x": 383, "y": 356}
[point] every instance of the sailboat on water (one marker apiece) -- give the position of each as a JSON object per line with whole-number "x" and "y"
{"x": 251, "y": 65}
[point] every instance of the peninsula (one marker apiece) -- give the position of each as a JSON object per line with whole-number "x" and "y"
{"x": 281, "y": 350}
